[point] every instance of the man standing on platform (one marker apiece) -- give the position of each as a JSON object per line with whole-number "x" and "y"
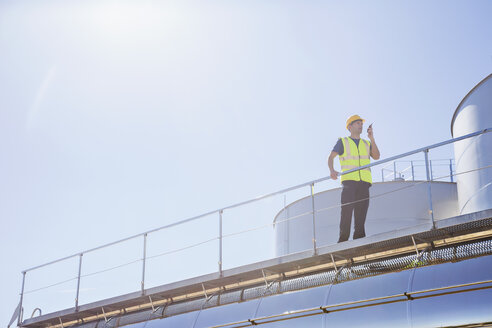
{"x": 354, "y": 152}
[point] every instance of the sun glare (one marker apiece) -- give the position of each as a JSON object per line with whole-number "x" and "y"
{"x": 128, "y": 19}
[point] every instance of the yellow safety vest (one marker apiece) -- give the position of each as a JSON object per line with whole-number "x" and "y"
{"x": 354, "y": 157}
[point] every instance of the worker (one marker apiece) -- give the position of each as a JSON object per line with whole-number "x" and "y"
{"x": 353, "y": 152}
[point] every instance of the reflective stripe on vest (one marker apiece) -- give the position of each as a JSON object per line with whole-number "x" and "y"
{"x": 354, "y": 157}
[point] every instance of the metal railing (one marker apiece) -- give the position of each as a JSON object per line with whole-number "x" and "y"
{"x": 395, "y": 172}
{"x": 219, "y": 214}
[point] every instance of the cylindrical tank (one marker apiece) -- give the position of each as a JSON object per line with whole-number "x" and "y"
{"x": 393, "y": 205}
{"x": 474, "y": 113}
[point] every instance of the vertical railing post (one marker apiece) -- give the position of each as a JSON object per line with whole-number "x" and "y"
{"x": 413, "y": 171}
{"x": 144, "y": 259}
{"x": 19, "y": 319}
{"x": 451, "y": 169}
{"x": 431, "y": 173}
{"x": 78, "y": 283}
{"x": 220, "y": 243}
{"x": 382, "y": 175}
{"x": 286, "y": 228}
{"x": 429, "y": 191}
{"x": 314, "y": 219}
{"x": 394, "y": 171}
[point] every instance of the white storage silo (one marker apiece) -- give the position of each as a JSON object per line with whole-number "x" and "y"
{"x": 394, "y": 205}
{"x": 473, "y": 155}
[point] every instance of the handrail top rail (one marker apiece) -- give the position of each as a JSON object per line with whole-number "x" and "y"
{"x": 312, "y": 182}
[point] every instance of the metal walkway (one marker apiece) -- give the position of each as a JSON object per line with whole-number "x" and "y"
{"x": 449, "y": 231}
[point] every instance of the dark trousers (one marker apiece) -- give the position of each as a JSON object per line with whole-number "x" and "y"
{"x": 355, "y": 199}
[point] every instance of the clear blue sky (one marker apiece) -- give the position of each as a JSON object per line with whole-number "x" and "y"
{"x": 117, "y": 117}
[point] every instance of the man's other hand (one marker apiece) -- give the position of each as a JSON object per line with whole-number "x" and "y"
{"x": 334, "y": 175}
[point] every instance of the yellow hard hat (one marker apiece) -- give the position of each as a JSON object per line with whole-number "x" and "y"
{"x": 354, "y": 118}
